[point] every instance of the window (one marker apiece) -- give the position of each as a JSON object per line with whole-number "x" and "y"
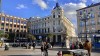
{"x": 21, "y": 26}
{"x": 24, "y": 26}
{"x": 80, "y": 12}
{"x": 17, "y": 25}
{"x": 7, "y": 19}
{"x": 45, "y": 23}
{"x": 24, "y": 22}
{"x": 6, "y": 29}
{"x": 48, "y": 30}
{"x": 21, "y": 22}
{"x": 11, "y": 20}
{"x": 92, "y": 22}
{"x": 48, "y": 17}
{"x": 15, "y": 20}
{"x": 7, "y": 24}
{"x": 2, "y": 24}
{"x": 18, "y": 21}
{"x": 14, "y": 25}
{"x": 58, "y": 16}
{"x": 45, "y": 30}
{"x": 42, "y": 31}
{"x": 53, "y": 16}
{"x": 92, "y": 15}
{"x": 2, "y": 19}
{"x": 81, "y": 23}
{"x": 53, "y": 29}
{"x": 10, "y": 25}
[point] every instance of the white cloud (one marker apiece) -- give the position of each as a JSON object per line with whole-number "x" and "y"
{"x": 21, "y": 6}
{"x": 70, "y": 11}
{"x": 84, "y": 1}
{"x": 41, "y": 3}
{"x": 96, "y": 1}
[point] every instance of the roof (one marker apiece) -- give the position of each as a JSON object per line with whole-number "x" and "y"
{"x": 92, "y": 5}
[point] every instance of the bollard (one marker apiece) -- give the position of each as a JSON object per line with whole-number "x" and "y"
{"x": 59, "y": 53}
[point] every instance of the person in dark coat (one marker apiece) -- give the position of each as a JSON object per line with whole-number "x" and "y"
{"x": 42, "y": 50}
{"x": 52, "y": 43}
{"x": 34, "y": 45}
{"x": 80, "y": 45}
{"x": 62, "y": 44}
{"x": 46, "y": 47}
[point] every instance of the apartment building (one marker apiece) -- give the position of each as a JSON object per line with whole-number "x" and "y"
{"x": 56, "y": 24}
{"x": 14, "y": 26}
{"x": 92, "y": 23}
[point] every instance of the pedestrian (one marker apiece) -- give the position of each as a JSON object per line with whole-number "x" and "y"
{"x": 80, "y": 45}
{"x": 72, "y": 46}
{"x": 52, "y": 43}
{"x": 6, "y": 47}
{"x": 88, "y": 47}
{"x": 33, "y": 45}
{"x": 62, "y": 44}
{"x": 46, "y": 47}
{"x": 42, "y": 50}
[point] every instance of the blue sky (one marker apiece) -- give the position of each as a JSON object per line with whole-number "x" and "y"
{"x": 42, "y": 8}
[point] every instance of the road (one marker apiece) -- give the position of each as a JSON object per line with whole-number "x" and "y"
{"x": 37, "y": 52}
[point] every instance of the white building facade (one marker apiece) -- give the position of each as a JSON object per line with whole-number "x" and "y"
{"x": 56, "y": 24}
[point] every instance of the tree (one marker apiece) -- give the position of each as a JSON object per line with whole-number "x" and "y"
{"x": 6, "y": 35}
{"x": 30, "y": 36}
{"x": 49, "y": 36}
{"x": 1, "y": 33}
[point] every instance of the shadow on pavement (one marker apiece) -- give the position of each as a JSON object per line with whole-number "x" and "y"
{"x": 59, "y": 49}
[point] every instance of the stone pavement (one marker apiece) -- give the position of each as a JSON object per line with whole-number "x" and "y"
{"x": 37, "y": 52}
{"x": 24, "y": 52}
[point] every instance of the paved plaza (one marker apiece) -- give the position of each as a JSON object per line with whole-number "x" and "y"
{"x": 37, "y": 52}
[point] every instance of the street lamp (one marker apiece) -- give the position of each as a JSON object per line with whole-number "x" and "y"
{"x": 85, "y": 17}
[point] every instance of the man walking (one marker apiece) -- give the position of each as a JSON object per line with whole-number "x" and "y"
{"x": 88, "y": 47}
{"x": 34, "y": 45}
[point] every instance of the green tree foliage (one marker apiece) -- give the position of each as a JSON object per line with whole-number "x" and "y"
{"x": 6, "y": 35}
{"x": 50, "y": 35}
{"x": 1, "y": 33}
{"x": 32, "y": 37}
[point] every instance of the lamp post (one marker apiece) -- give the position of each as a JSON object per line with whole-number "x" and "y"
{"x": 85, "y": 17}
